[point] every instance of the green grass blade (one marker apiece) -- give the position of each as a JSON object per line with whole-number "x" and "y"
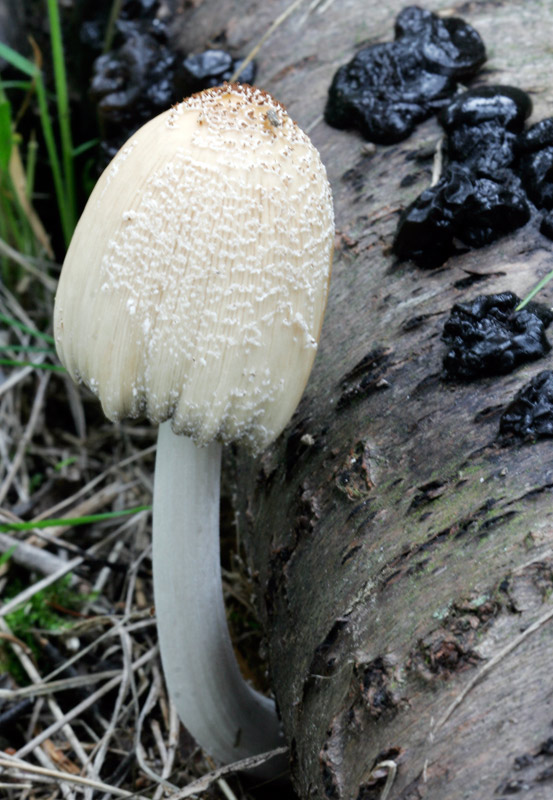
{"x": 24, "y": 348}
{"x": 6, "y": 131}
{"x": 30, "y": 68}
{"x": 5, "y": 557}
{"x": 116, "y": 6}
{"x": 49, "y": 138}
{"x": 62, "y": 100}
{"x": 54, "y": 523}
{"x": 14, "y": 323}
{"x": 8, "y": 362}
{"x": 25, "y": 86}
{"x": 65, "y": 462}
{"x": 84, "y": 147}
{"x": 534, "y": 291}
{"x": 9, "y": 212}
{"x": 18, "y": 61}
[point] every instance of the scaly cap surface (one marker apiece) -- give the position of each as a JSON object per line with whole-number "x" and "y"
{"x": 196, "y": 281}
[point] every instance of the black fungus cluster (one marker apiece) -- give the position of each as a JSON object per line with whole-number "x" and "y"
{"x": 480, "y": 196}
{"x": 530, "y": 414}
{"x": 387, "y": 89}
{"x": 536, "y": 169}
{"x": 489, "y": 337}
{"x": 483, "y": 127}
{"x": 133, "y": 82}
{"x": 142, "y": 75}
{"x": 210, "y": 68}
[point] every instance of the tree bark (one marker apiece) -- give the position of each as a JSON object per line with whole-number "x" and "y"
{"x": 403, "y": 556}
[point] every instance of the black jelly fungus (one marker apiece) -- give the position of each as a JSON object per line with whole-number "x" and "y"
{"x": 480, "y": 196}
{"x": 536, "y": 163}
{"x": 536, "y": 172}
{"x": 133, "y": 81}
{"x": 141, "y": 75}
{"x": 506, "y": 106}
{"x": 210, "y": 68}
{"x": 388, "y": 88}
{"x": 132, "y": 84}
{"x": 489, "y": 337}
{"x": 449, "y": 46}
{"x": 530, "y": 414}
{"x": 490, "y": 211}
{"x": 461, "y": 206}
{"x": 482, "y": 127}
{"x": 486, "y": 148}
{"x": 537, "y": 136}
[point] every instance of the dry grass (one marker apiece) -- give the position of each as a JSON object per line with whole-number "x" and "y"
{"x": 84, "y": 712}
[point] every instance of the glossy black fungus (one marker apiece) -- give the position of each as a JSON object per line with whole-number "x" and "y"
{"x": 461, "y": 206}
{"x": 506, "y": 106}
{"x": 142, "y": 76}
{"x": 482, "y": 127}
{"x": 479, "y": 197}
{"x": 448, "y": 46}
{"x": 537, "y": 136}
{"x": 387, "y": 89}
{"x": 530, "y": 414}
{"x": 134, "y": 81}
{"x": 210, "y": 68}
{"x": 536, "y": 163}
{"x": 489, "y": 337}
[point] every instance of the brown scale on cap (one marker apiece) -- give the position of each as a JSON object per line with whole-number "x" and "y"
{"x": 196, "y": 281}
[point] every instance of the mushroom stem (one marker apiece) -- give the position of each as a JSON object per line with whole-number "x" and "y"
{"x": 228, "y": 719}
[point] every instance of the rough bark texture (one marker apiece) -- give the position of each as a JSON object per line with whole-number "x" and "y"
{"x": 398, "y": 547}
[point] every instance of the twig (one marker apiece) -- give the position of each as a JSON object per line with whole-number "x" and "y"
{"x": 391, "y": 767}
{"x": 124, "y": 679}
{"x": 32, "y": 558}
{"x": 493, "y": 663}
{"x": 30, "y": 591}
{"x": 320, "y": 6}
{"x": 59, "y": 716}
{"x": 16, "y": 785}
{"x": 156, "y": 730}
{"x": 10, "y": 763}
{"x": 174, "y": 727}
{"x": 78, "y": 709}
{"x": 37, "y": 408}
{"x": 105, "y": 573}
{"x": 314, "y": 123}
{"x": 89, "y": 506}
{"x": 35, "y": 266}
{"x": 66, "y": 684}
{"x": 226, "y": 790}
{"x": 75, "y": 402}
{"x": 114, "y": 631}
{"x": 47, "y": 763}
{"x": 203, "y": 783}
{"x": 438, "y": 162}
{"x": 68, "y": 501}
{"x": 151, "y": 700}
{"x": 270, "y": 30}
{"x": 68, "y": 566}
{"x": 16, "y": 377}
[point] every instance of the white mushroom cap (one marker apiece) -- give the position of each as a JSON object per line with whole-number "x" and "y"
{"x": 196, "y": 281}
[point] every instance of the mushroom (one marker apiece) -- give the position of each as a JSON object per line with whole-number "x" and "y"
{"x": 193, "y": 293}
